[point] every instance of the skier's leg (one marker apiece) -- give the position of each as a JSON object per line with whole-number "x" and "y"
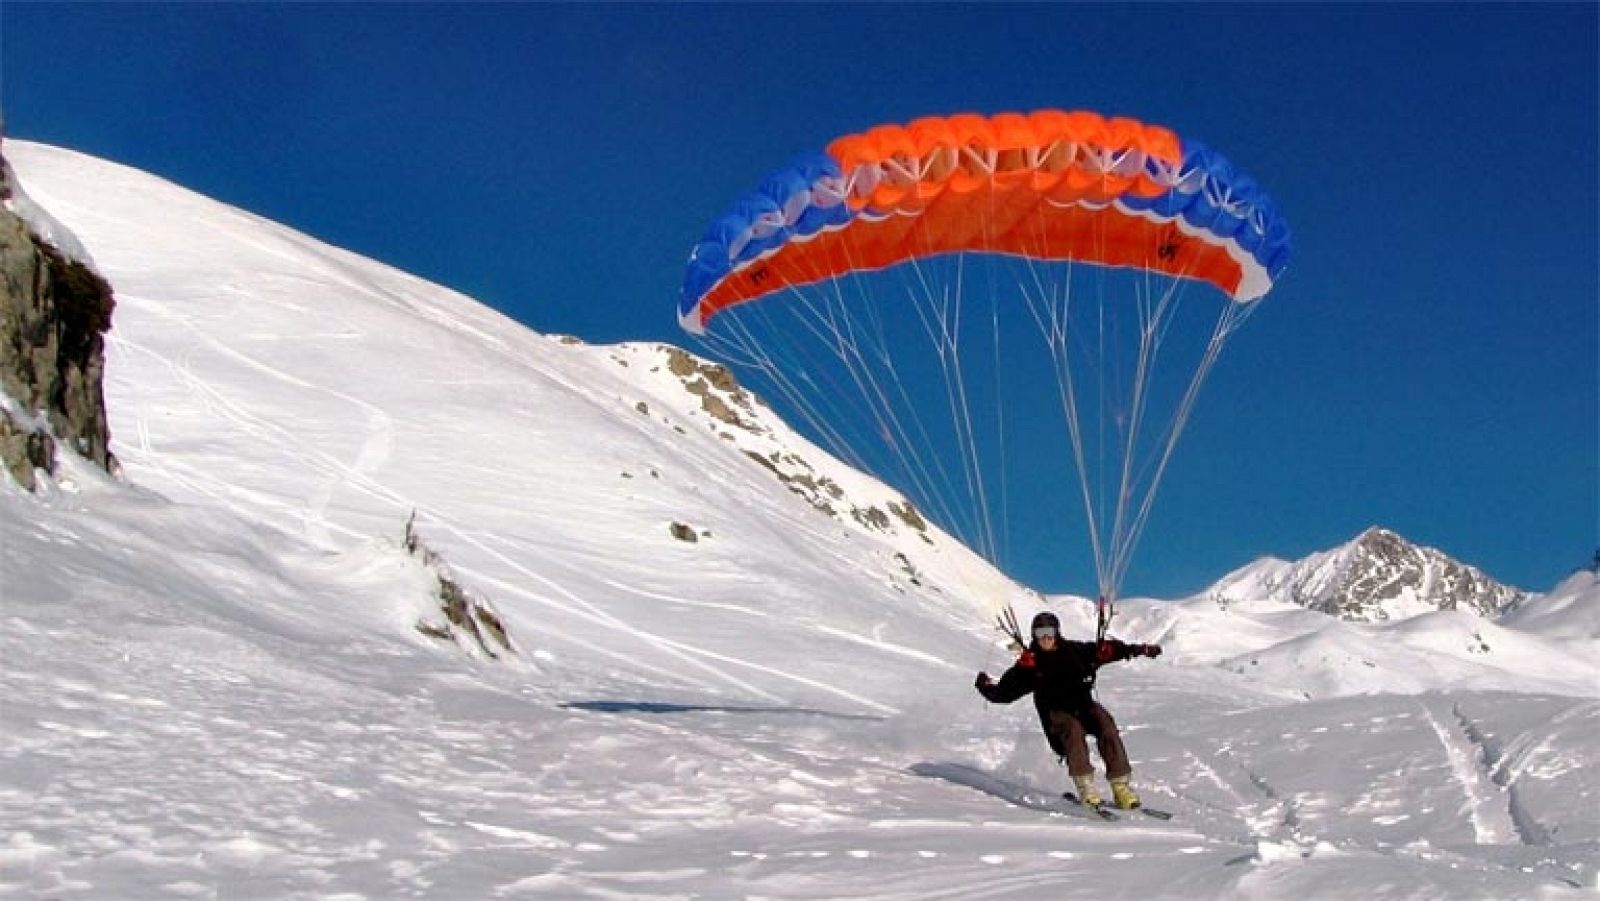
{"x": 1118, "y": 770}
{"x": 1071, "y": 737}
{"x": 1109, "y": 739}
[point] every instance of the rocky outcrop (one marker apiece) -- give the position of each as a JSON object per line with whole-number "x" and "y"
{"x": 714, "y": 384}
{"x": 54, "y": 312}
{"x": 467, "y": 620}
{"x": 729, "y": 403}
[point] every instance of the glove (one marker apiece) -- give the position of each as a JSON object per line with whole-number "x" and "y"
{"x": 983, "y": 681}
{"x": 1148, "y": 650}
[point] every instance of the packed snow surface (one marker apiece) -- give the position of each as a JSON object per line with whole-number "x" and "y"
{"x": 212, "y": 682}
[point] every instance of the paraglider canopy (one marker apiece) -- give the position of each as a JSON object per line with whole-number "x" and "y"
{"x": 1049, "y": 185}
{"x": 918, "y": 254}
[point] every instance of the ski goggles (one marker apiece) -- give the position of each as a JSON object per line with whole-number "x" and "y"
{"x": 1045, "y": 632}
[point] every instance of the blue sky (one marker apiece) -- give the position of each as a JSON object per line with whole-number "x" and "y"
{"x": 1429, "y": 363}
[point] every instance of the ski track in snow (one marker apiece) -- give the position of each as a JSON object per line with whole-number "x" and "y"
{"x": 699, "y": 658}
{"x": 681, "y": 601}
{"x": 334, "y": 472}
{"x": 1258, "y": 825}
{"x": 1270, "y": 815}
{"x": 1491, "y": 820}
{"x": 1505, "y": 765}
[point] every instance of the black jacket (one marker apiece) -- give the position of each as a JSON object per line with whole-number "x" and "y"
{"x": 1061, "y": 679}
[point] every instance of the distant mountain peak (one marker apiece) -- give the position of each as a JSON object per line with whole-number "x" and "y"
{"x": 1376, "y": 577}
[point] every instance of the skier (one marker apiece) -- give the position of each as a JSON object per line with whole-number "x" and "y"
{"x": 1061, "y": 676}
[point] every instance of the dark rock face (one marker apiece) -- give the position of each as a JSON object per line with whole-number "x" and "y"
{"x": 54, "y": 312}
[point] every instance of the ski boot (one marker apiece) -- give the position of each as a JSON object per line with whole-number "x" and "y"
{"x": 1123, "y": 795}
{"x": 1087, "y": 793}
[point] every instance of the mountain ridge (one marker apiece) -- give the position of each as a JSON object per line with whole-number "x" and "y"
{"x": 1378, "y": 576}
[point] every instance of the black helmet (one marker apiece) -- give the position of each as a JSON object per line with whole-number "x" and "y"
{"x": 1045, "y": 619}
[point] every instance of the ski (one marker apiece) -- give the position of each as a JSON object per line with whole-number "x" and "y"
{"x": 1107, "y": 814}
{"x": 1104, "y": 812}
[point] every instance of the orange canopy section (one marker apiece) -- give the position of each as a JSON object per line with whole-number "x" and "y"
{"x": 1050, "y": 185}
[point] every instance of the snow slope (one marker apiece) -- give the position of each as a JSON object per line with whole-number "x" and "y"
{"x": 1570, "y": 611}
{"x": 213, "y": 685}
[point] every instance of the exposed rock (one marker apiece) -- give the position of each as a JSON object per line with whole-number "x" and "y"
{"x": 463, "y": 614}
{"x": 54, "y": 312}
{"x": 24, "y": 449}
{"x": 907, "y": 512}
{"x": 715, "y": 406}
{"x": 726, "y": 401}
{"x": 684, "y": 532}
{"x": 683, "y": 364}
{"x": 908, "y": 568}
{"x": 719, "y": 391}
{"x": 872, "y": 518}
{"x": 769, "y": 465}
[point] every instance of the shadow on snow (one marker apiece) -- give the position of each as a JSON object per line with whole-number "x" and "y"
{"x": 659, "y": 708}
{"x": 994, "y": 786}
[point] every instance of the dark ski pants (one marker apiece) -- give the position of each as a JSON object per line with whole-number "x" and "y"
{"x": 1071, "y": 734}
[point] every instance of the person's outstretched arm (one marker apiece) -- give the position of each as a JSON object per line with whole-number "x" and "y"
{"x": 1111, "y": 650}
{"x": 1016, "y": 682}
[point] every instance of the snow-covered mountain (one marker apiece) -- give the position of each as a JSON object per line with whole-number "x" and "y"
{"x": 1377, "y": 577}
{"x": 738, "y": 668}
